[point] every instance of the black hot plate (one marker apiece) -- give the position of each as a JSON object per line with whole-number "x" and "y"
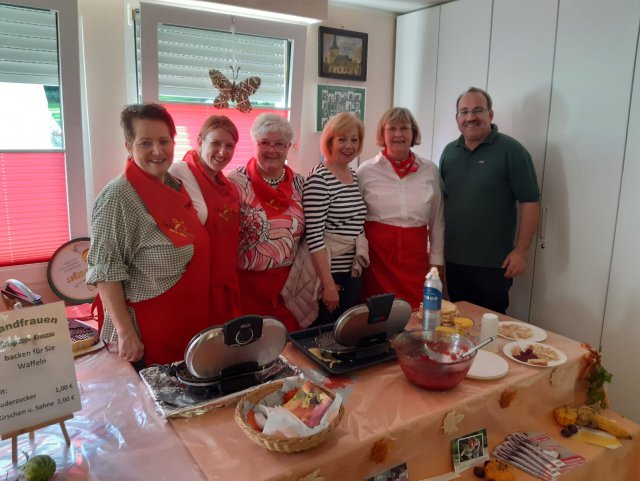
{"x": 360, "y": 338}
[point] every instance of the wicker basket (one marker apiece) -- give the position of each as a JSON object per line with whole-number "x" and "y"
{"x": 278, "y": 443}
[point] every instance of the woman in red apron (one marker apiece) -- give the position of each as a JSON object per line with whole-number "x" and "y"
{"x": 149, "y": 255}
{"x": 271, "y": 220}
{"x": 216, "y": 201}
{"x": 405, "y": 220}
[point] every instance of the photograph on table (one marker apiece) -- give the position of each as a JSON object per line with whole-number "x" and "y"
{"x": 397, "y": 473}
{"x": 342, "y": 54}
{"x": 333, "y": 99}
{"x": 469, "y": 450}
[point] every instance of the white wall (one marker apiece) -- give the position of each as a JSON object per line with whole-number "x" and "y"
{"x": 104, "y": 24}
{"x": 379, "y": 84}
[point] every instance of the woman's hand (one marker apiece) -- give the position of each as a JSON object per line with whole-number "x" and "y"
{"x": 130, "y": 347}
{"x": 330, "y": 297}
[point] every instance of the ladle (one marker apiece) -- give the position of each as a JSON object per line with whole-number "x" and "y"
{"x": 475, "y": 348}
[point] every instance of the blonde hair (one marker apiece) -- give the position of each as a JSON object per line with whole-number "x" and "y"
{"x": 339, "y": 124}
{"x": 398, "y": 115}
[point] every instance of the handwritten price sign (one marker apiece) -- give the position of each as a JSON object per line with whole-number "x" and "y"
{"x": 37, "y": 375}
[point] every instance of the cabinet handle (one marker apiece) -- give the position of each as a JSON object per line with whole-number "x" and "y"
{"x": 543, "y": 223}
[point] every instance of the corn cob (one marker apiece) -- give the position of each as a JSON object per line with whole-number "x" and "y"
{"x": 610, "y": 426}
{"x": 587, "y": 416}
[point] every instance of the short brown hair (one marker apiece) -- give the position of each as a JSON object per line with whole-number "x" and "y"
{"x": 218, "y": 122}
{"x": 148, "y": 111}
{"x": 398, "y": 115}
{"x": 339, "y": 124}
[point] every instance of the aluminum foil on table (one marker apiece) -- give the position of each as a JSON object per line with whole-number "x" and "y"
{"x": 174, "y": 399}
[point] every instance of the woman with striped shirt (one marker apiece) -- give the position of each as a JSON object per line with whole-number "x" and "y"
{"x": 334, "y": 215}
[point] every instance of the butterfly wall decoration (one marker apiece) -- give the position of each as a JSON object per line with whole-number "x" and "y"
{"x": 231, "y": 91}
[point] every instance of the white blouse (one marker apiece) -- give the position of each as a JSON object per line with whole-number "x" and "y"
{"x": 413, "y": 201}
{"x": 182, "y": 171}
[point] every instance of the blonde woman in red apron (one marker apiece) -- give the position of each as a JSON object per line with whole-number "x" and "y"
{"x": 405, "y": 219}
{"x": 149, "y": 255}
{"x": 216, "y": 201}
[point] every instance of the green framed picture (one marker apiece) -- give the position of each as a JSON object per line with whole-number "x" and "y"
{"x": 333, "y": 99}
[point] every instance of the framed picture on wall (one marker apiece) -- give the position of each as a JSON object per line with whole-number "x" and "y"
{"x": 342, "y": 54}
{"x": 333, "y": 99}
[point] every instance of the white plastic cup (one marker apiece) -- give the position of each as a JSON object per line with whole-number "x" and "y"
{"x": 488, "y": 328}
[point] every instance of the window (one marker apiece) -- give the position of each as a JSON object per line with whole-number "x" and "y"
{"x": 177, "y": 48}
{"x": 42, "y": 193}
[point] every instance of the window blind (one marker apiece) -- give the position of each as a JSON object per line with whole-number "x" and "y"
{"x": 186, "y": 54}
{"x": 28, "y": 46}
{"x": 33, "y": 206}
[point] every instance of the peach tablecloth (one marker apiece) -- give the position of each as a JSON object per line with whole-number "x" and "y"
{"x": 381, "y": 403}
{"x": 117, "y": 435}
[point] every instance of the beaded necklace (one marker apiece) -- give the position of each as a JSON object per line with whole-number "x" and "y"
{"x": 274, "y": 182}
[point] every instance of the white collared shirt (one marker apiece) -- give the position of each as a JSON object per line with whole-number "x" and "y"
{"x": 413, "y": 201}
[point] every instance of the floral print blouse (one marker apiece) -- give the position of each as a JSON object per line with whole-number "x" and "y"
{"x": 267, "y": 243}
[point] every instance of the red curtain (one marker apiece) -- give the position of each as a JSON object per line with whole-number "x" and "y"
{"x": 190, "y": 117}
{"x": 33, "y": 206}
{"x": 33, "y": 193}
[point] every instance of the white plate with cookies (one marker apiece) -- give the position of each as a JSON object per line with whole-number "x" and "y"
{"x": 525, "y": 332}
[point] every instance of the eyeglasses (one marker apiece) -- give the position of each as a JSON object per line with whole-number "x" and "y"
{"x": 476, "y": 111}
{"x": 277, "y": 146}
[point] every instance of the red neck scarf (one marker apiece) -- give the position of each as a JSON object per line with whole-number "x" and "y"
{"x": 172, "y": 210}
{"x": 204, "y": 179}
{"x": 403, "y": 167}
{"x": 274, "y": 200}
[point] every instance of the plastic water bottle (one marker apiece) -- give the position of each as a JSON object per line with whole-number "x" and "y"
{"x": 432, "y": 300}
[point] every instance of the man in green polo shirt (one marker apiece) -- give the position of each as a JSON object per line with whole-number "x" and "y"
{"x": 484, "y": 175}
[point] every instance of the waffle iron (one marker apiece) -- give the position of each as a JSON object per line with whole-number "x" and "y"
{"x": 359, "y": 338}
{"x": 234, "y": 356}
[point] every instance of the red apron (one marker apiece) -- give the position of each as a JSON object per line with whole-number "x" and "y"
{"x": 223, "y": 226}
{"x": 399, "y": 261}
{"x": 169, "y": 321}
{"x": 260, "y": 295}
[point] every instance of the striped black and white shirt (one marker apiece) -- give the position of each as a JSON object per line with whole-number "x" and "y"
{"x": 331, "y": 206}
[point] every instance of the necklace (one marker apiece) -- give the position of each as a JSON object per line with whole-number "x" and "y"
{"x": 274, "y": 182}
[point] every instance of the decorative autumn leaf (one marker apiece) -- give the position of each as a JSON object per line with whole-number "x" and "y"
{"x": 451, "y": 421}
{"x": 380, "y": 450}
{"x": 558, "y": 376}
{"x": 507, "y": 397}
{"x": 315, "y": 476}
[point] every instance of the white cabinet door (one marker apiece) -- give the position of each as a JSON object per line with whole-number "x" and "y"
{"x": 415, "y": 70}
{"x": 463, "y": 60}
{"x": 520, "y": 70}
{"x": 591, "y": 89}
{"x": 621, "y": 333}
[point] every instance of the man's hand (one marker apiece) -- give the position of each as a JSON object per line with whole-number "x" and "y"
{"x": 515, "y": 263}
